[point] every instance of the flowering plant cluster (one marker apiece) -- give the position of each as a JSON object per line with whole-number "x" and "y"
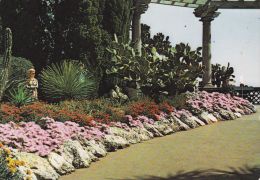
{"x": 9, "y": 165}
{"x": 28, "y": 131}
{"x": 204, "y": 101}
{"x": 148, "y": 108}
{"x": 35, "y": 112}
{"x": 30, "y": 137}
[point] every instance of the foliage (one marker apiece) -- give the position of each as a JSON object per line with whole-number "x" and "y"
{"x": 5, "y": 70}
{"x": 65, "y": 81}
{"x": 19, "y": 96}
{"x": 158, "y": 41}
{"x": 33, "y": 25}
{"x": 80, "y": 35}
{"x": 178, "y": 101}
{"x": 1, "y": 36}
{"x": 117, "y": 18}
{"x": 96, "y": 108}
{"x": 221, "y": 75}
{"x": 168, "y": 74}
{"x": 18, "y": 73}
{"x": 145, "y": 107}
{"x": 57, "y": 30}
{"x": 9, "y": 164}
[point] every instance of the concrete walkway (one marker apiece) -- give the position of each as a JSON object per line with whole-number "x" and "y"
{"x": 224, "y": 147}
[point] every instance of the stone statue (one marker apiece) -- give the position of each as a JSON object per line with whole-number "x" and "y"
{"x": 32, "y": 84}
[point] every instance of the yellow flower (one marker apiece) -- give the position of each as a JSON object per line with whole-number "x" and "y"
{"x": 28, "y": 171}
{"x": 7, "y": 151}
{"x": 28, "y": 178}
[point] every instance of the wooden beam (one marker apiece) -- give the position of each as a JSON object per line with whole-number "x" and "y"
{"x": 237, "y": 4}
{"x": 221, "y": 4}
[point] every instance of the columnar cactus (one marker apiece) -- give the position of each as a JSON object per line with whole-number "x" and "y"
{"x": 4, "y": 72}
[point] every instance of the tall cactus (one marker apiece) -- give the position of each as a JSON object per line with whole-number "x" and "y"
{"x": 4, "y": 72}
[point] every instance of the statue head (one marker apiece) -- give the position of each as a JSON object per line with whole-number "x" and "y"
{"x": 31, "y": 73}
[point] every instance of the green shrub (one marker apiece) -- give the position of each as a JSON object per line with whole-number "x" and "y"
{"x": 18, "y": 73}
{"x": 19, "y": 96}
{"x": 179, "y": 101}
{"x": 66, "y": 81}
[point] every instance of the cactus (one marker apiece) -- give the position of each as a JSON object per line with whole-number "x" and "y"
{"x": 4, "y": 72}
{"x": 221, "y": 75}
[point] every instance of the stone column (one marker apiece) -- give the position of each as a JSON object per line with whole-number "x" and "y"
{"x": 136, "y": 32}
{"x": 140, "y": 6}
{"x": 206, "y": 14}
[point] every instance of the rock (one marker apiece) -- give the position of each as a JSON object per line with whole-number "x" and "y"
{"x": 39, "y": 166}
{"x": 177, "y": 124}
{"x": 224, "y": 114}
{"x": 189, "y": 121}
{"x": 197, "y": 120}
{"x": 75, "y": 154}
{"x": 113, "y": 142}
{"x": 248, "y": 110}
{"x": 60, "y": 164}
{"x": 23, "y": 170}
{"x": 237, "y": 110}
{"x": 218, "y": 116}
{"x": 204, "y": 117}
{"x": 131, "y": 136}
{"x": 96, "y": 148}
{"x": 212, "y": 118}
{"x": 231, "y": 115}
{"x": 227, "y": 115}
{"x": 143, "y": 134}
{"x": 151, "y": 128}
{"x": 163, "y": 128}
{"x": 251, "y": 107}
{"x": 238, "y": 115}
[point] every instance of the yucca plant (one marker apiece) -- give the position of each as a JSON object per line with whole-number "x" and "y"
{"x": 66, "y": 81}
{"x": 19, "y": 96}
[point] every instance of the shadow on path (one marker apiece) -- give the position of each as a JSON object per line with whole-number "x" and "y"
{"x": 245, "y": 173}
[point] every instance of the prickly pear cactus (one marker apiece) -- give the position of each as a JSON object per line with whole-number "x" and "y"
{"x": 4, "y": 71}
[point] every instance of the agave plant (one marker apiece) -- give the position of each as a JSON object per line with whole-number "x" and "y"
{"x": 66, "y": 81}
{"x": 19, "y": 96}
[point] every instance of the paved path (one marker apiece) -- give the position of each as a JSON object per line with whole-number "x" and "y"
{"x": 186, "y": 155}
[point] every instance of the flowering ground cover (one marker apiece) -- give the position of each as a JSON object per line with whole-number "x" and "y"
{"x": 211, "y": 102}
{"x": 43, "y": 128}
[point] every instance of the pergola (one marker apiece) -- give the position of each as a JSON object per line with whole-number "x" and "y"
{"x": 206, "y": 10}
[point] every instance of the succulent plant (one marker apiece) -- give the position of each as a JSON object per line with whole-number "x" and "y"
{"x": 222, "y": 75}
{"x": 4, "y": 71}
{"x": 156, "y": 74}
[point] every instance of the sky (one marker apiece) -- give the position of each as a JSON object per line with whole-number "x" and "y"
{"x": 235, "y": 36}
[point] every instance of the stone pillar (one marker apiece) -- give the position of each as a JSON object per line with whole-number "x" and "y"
{"x": 136, "y": 32}
{"x": 206, "y": 14}
{"x": 140, "y": 6}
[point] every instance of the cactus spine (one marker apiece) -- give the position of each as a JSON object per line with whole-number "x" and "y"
{"x": 6, "y": 61}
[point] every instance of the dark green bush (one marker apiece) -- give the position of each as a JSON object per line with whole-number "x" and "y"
{"x": 67, "y": 81}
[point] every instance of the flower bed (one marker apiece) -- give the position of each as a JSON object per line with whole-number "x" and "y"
{"x": 11, "y": 167}
{"x": 61, "y": 146}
